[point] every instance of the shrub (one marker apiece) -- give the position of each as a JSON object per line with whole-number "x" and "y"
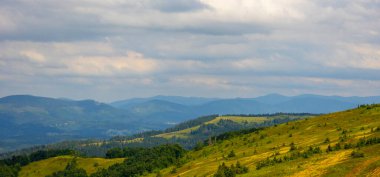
{"x": 292, "y": 147}
{"x": 329, "y": 149}
{"x": 225, "y": 171}
{"x": 356, "y": 154}
{"x": 231, "y": 154}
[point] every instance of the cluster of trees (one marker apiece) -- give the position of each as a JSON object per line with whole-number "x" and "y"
{"x": 367, "y": 141}
{"x": 9, "y": 171}
{"x": 11, "y": 166}
{"x": 316, "y": 150}
{"x": 361, "y": 143}
{"x": 225, "y": 171}
{"x": 224, "y": 136}
{"x": 293, "y": 156}
{"x": 142, "y": 160}
{"x": 36, "y": 156}
{"x": 271, "y": 115}
{"x": 368, "y": 106}
{"x": 139, "y": 161}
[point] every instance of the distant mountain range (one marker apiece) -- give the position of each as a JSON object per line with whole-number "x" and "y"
{"x": 30, "y": 120}
{"x": 176, "y": 109}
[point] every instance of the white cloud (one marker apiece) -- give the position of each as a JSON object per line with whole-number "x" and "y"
{"x": 257, "y": 11}
{"x": 6, "y": 24}
{"x": 132, "y": 63}
{"x": 363, "y": 56}
{"x": 33, "y": 56}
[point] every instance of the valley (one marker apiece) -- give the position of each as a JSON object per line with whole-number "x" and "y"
{"x": 27, "y": 121}
{"x": 337, "y": 144}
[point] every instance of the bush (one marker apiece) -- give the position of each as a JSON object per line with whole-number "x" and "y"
{"x": 225, "y": 171}
{"x": 231, "y": 154}
{"x": 143, "y": 160}
{"x": 356, "y": 154}
{"x": 329, "y": 149}
{"x": 292, "y": 147}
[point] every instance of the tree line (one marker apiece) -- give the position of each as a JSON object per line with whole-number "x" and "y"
{"x": 10, "y": 167}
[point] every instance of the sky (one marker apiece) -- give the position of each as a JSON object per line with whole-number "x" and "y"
{"x": 117, "y": 49}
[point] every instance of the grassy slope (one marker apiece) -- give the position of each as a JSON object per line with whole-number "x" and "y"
{"x": 185, "y": 132}
{"x": 48, "y": 166}
{"x": 251, "y": 148}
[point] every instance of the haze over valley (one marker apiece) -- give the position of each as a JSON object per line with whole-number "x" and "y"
{"x": 186, "y": 88}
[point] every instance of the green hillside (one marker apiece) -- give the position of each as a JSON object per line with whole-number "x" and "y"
{"x": 236, "y": 119}
{"x": 48, "y": 166}
{"x": 189, "y": 133}
{"x": 284, "y": 150}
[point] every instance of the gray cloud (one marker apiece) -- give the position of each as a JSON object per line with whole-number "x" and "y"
{"x": 178, "y": 5}
{"x": 132, "y": 48}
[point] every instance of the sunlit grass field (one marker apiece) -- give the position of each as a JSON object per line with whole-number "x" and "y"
{"x": 48, "y": 166}
{"x": 185, "y": 132}
{"x": 254, "y": 147}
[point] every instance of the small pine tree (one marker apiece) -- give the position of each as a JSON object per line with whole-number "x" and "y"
{"x": 224, "y": 171}
{"x": 329, "y": 149}
{"x": 292, "y": 147}
{"x": 173, "y": 171}
{"x": 158, "y": 174}
{"x": 231, "y": 154}
{"x": 337, "y": 146}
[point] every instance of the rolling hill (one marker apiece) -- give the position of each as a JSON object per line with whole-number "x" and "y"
{"x": 28, "y": 120}
{"x": 48, "y": 166}
{"x": 284, "y": 150}
{"x": 189, "y": 133}
{"x": 222, "y": 124}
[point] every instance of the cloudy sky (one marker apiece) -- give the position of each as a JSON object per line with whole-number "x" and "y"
{"x": 116, "y": 49}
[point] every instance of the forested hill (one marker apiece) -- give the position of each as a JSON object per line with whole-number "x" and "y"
{"x": 187, "y": 134}
{"x": 28, "y": 120}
